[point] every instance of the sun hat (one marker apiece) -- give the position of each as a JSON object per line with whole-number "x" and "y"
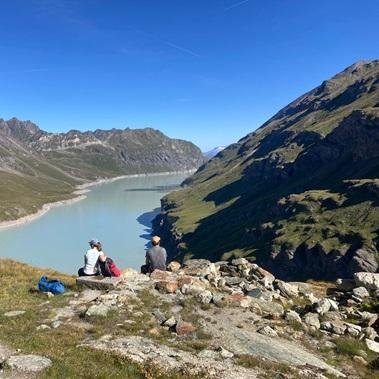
{"x": 156, "y": 239}
{"x": 94, "y": 241}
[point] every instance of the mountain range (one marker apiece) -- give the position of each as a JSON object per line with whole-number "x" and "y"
{"x": 37, "y": 167}
{"x": 300, "y": 195}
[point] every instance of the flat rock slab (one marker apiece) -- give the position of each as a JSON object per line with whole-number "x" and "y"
{"x": 28, "y": 363}
{"x": 98, "y": 282}
{"x": 240, "y": 342}
{"x": 14, "y": 313}
{"x": 168, "y": 359}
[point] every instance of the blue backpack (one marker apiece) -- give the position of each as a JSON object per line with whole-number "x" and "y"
{"x": 54, "y": 286}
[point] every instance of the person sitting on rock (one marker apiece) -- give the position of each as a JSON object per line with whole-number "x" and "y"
{"x": 156, "y": 257}
{"x": 91, "y": 258}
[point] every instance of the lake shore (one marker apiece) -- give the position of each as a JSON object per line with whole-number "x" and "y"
{"x": 78, "y": 195}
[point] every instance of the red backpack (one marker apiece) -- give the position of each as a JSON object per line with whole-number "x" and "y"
{"x": 114, "y": 270}
{"x": 109, "y": 268}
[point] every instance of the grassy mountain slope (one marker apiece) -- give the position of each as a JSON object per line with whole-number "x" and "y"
{"x": 300, "y": 194}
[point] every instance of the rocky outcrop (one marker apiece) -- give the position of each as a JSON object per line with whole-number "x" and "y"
{"x": 217, "y": 320}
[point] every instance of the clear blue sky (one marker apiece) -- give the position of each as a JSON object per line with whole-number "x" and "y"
{"x": 209, "y": 71}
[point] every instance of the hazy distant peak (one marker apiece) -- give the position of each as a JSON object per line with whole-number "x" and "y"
{"x": 214, "y": 152}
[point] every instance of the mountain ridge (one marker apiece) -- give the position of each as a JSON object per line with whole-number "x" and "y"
{"x": 267, "y": 196}
{"x": 37, "y": 167}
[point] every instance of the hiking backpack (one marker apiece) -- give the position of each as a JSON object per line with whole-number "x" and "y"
{"x": 54, "y": 286}
{"x": 109, "y": 268}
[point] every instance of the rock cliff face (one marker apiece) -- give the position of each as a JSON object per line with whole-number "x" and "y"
{"x": 38, "y": 167}
{"x": 300, "y": 194}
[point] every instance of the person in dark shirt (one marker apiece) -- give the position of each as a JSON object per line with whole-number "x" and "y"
{"x": 156, "y": 257}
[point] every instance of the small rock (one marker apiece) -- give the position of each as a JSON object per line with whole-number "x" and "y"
{"x": 204, "y": 297}
{"x": 336, "y": 327}
{"x": 159, "y": 315}
{"x": 56, "y": 324}
{"x": 100, "y": 310}
{"x": 312, "y": 320}
{"x": 171, "y": 322}
{"x": 311, "y": 297}
{"x": 259, "y": 293}
{"x": 370, "y": 333}
{"x": 232, "y": 280}
{"x": 361, "y": 292}
{"x": 333, "y": 305}
{"x": 174, "y": 266}
{"x": 360, "y": 360}
{"x": 218, "y": 299}
{"x": 240, "y": 262}
{"x": 368, "y": 317}
{"x": 49, "y": 294}
{"x": 167, "y": 286}
{"x": 267, "y": 331}
{"x": 158, "y": 275}
{"x": 43, "y": 327}
{"x": 353, "y": 330}
{"x": 225, "y": 353}
{"x": 28, "y": 363}
{"x": 322, "y": 306}
{"x": 292, "y": 316}
{"x": 372, "y": 345}
{"x": 14, "y": 313}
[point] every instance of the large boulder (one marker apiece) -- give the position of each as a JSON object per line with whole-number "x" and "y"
{"x": 287, "y": 290}
{"x": 98, "y": 310}
{"x": 199, "y": 267}
{"x": 368, "y": 280}
{"x": 265, "y": 277}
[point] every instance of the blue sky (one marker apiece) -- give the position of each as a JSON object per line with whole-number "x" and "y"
{"x": 209, "y": 71}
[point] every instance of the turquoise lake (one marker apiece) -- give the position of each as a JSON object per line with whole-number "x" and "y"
{"x": 118, "y": 213}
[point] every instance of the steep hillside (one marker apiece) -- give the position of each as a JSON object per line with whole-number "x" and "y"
{"x": 37, "y": 167}
{"x": 300, "y": 194}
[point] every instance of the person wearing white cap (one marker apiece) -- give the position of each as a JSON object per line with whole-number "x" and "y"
{"x": 91, "y": 257}
{"x": 155, "y": 257}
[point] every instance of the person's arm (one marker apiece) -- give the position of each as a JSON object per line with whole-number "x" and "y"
{"x": 147, "y": 258}
{"x": 164, "y": 254}
{"x": 102, "y": 257}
